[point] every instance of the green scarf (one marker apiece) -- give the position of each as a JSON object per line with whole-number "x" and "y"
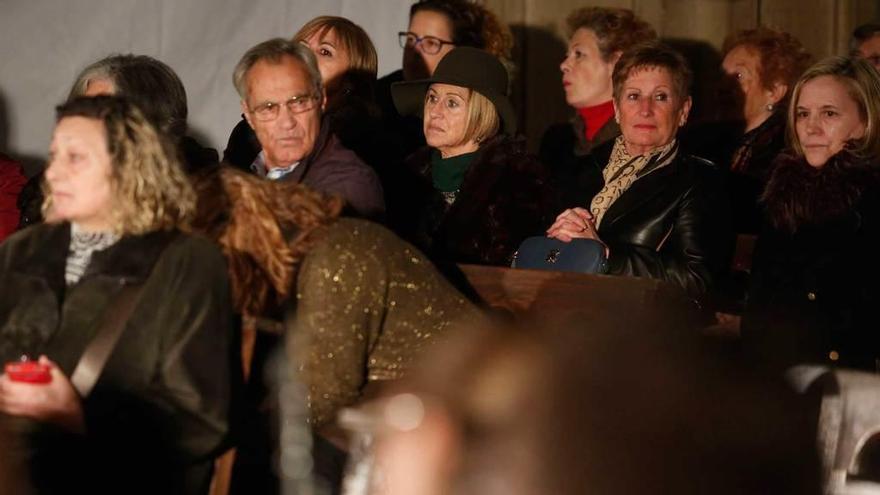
{"x": 448, "y": 173}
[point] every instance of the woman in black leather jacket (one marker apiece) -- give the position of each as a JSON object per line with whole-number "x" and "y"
{"x": 658, "y": 211}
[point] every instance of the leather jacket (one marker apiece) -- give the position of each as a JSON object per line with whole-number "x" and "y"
{"x": 669, "y": 225}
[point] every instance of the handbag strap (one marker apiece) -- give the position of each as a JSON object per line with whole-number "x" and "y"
{"x": 90, "y": 364}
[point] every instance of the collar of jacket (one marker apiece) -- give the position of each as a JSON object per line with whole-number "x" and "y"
{"x": 606, "y": 133}
{"x": 322, "y": 142}
{"x": 496, "y": 157}
{"x": 131, "y": 259}
{"x": 798, "y": 194}
{"x": 646, "y": 187}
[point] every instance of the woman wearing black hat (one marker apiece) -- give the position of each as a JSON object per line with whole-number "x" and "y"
{"x": 476, "y": 192}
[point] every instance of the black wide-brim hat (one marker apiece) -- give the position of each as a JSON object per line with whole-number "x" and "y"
{"x": 467, "y": 67}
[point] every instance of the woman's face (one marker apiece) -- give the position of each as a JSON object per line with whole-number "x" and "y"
{"x": 78, "y": 173}
{"x": 743, "y": 64}
{"x": 586, "y": 76}
{"x": 416, "y": 63}
{"x": 649, "y": 110}
{"x": 826, "y": 117}
{"x": 333, "y": 59}
{"x": 445, "y": 119}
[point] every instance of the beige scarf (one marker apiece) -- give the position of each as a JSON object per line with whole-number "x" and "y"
{"x": 622, "y": 170}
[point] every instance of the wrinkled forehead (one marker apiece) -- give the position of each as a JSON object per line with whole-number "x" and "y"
{"x": 281, "y": 78}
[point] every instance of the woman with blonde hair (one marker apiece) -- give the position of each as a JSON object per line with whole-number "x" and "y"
{"x": 112, "y": 262}
{"x": 476, "y": 192}
{"x": 814, "y": 289}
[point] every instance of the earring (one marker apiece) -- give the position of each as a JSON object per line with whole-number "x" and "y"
{"x": 769, "y": 107}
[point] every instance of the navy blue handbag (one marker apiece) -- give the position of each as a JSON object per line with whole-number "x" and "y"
{"x": 544, "y": 253}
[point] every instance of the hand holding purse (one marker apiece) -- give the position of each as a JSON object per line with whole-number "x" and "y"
{"x": 545, "y": 253}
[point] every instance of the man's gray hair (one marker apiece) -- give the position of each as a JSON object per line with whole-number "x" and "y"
{"x": 273, "y": 51}
{"x": 150, "y": 83}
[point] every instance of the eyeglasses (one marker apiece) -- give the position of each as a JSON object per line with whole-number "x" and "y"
{"x": 430, "y": 44}
{"x": 295, "y": 104}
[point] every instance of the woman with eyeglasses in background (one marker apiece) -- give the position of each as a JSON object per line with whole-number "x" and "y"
{"x": 435, "y": 28}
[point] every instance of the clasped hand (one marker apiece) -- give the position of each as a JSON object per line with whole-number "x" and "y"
{"x": 55, "y": 402}
{"x": 575, "y": 223}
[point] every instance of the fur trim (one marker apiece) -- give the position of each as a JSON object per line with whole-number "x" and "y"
{"x": 799, "y": 194}
{"x": 503, "y": 199}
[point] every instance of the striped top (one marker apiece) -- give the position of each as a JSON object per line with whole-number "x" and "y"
{"x": 82, "y": 245}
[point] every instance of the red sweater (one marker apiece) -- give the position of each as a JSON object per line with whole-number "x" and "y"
{"x": 595, "y": 117}
{"x": 11, "y": 181}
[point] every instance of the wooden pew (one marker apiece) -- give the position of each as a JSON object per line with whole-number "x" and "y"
{"x": 539, "y": 293}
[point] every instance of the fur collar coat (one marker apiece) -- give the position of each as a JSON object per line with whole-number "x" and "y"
{"x": 814, "y": 278}
{"x": 504, "y": 198}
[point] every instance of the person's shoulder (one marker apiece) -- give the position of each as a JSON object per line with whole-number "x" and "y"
{"x": 193, "y": 249}
{"x": 337, "y": 154}
{"x": 33, "y": 242}
{"x": 347, "y": 231}
{"x": 511, "y": 153}
{"x": 697, "y": 162}
{"x": 36, "y": 234}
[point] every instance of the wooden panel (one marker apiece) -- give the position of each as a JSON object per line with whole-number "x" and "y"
{"x": 545, "y": 292}
{"x": 707, "y": 21}
{"x": 814, "y": 23}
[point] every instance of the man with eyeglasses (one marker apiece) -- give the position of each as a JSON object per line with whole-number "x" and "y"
{"x": 282, "y": 99}
{"x": 866, "y": 43}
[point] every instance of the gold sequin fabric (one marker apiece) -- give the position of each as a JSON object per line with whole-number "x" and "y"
{"x": 368, "y": 304}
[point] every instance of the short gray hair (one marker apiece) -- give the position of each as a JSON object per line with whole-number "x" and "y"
{"x": 273, "y": 51}
{"x": 149, "y": 83}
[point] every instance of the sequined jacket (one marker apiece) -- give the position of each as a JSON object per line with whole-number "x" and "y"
{"x": 367, "y": 304}
{"x": 161, "y": 408}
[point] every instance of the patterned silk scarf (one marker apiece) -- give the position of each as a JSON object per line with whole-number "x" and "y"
{"x": 622, "y": 170}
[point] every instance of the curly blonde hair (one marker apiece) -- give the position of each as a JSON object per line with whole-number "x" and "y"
{"x": 265, "y": 229}
{"x": 149, "y": 188}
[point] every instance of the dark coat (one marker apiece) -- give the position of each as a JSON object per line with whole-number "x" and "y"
{"x": 754, "y": 152}
{"x": 669, "y": 225}
{"x": 814, "y": 288}
{"x": 160, "y": 410}
{"x": 503, "y": 199}
{"x": 563, "y": 148}
{"x": 405, "y": 130}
